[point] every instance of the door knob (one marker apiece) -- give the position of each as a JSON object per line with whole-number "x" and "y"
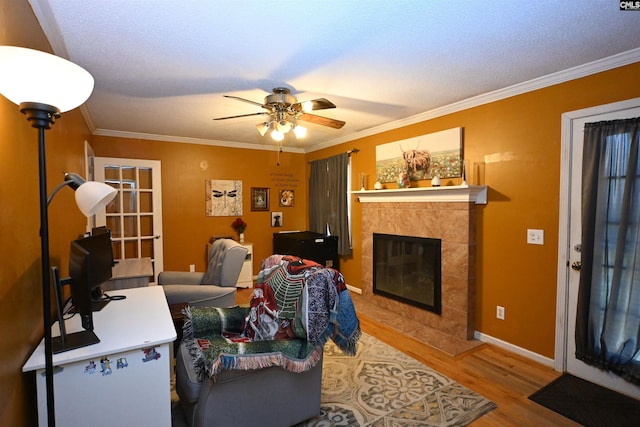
{"x": 576, "y": 265}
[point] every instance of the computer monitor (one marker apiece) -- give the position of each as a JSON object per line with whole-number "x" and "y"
{"x": 99, "y": 267}
{"x": 90, "y": 265}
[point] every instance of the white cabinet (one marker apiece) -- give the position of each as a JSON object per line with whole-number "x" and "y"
{"x": 124, "y": 380}
{"x": 245, "y": 279}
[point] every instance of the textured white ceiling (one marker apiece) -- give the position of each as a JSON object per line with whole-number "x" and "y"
{"x": 161, "y": 67}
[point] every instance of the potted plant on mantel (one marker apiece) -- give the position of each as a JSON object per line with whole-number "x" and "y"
{"x": 239, "y": 226}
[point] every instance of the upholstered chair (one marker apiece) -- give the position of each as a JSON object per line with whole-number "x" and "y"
{"x": 216, "y": 287}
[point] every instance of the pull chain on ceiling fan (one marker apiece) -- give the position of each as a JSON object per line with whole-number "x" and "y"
{"x": 284, "y": 111}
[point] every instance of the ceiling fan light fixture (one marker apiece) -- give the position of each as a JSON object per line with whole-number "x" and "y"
{"x": 283, "y": 126}
{"x": 307, "y": 106}
{"x": 283, "y": 111}
{"x": 277, "y": 135}
{"x": 262, "y": 128}
{"x": 300, "y": 131}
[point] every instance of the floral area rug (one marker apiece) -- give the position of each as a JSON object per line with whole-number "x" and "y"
{"x": 382, "y": 386}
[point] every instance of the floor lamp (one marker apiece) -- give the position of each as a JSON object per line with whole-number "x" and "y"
{"x": 44, "y": 86}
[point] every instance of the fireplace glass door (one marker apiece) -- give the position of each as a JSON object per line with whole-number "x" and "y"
{"x": 408, "y": 269}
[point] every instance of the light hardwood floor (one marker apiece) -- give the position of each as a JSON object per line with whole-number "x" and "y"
{"x": 505, "y": 378}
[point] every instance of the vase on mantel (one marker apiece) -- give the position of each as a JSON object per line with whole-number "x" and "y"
{"x": 403, "y": 180}
{"x": 241, "y": 237}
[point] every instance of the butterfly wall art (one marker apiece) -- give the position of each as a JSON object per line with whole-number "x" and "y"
{"x": 223, "y": 197}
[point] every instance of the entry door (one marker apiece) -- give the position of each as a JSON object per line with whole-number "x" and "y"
{"x": 571, "y": 228}
{"x": 135, "y": 215}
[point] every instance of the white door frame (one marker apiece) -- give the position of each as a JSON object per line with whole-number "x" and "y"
{"x": 155, "y": 165}
{"x": 564, "y": 261}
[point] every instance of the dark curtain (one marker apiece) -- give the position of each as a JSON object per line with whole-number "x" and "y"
{"x": 328, "y": 199}
{"x": 608, "y": 316}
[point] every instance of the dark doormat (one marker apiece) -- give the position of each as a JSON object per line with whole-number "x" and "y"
{"x": 588, "y": 404}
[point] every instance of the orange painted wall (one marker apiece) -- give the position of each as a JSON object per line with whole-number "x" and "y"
{"x": 186, "y": 167}
{"x": 20, "y": 275}
{"x": 516, "y": 144}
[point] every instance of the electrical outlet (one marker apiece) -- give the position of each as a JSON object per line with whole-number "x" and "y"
{"x": 192, "y": 268}
{"x": 500, "y": 312}
{"x": 535, "y": 237}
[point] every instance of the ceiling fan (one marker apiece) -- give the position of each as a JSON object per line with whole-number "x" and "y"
{"x": 282, "y": 108}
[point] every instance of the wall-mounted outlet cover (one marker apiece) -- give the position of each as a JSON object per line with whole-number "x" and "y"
{"x": 535, "y": 237}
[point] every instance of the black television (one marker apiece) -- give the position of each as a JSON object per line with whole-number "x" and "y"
{"x": 90, "y": 265}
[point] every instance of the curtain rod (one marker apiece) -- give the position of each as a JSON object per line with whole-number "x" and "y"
{"x": 349, "y": 152}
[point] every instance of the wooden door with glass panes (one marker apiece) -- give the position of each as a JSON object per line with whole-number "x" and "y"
{"x": 135, "y": 215}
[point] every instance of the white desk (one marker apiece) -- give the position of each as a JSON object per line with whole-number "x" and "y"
{"x": 133, "y": 387}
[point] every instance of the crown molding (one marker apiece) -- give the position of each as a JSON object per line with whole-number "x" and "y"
{"x": 200, "y": 141}
{"x": 609, "y": 63}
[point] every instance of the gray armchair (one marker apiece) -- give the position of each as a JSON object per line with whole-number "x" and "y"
{"x": 267, "y": 396}
{"x": 216, "y": 287}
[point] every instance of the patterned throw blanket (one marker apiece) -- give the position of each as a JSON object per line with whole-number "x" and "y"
{"x": 297, "y": 306}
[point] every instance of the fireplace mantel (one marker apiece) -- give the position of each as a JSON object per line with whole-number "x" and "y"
{"x": 450, "y": 193}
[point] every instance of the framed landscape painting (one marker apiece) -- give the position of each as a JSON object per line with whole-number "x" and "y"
{"x": 444, "y": 149}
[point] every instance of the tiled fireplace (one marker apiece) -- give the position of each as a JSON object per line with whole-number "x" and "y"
{"x": 449, "y": 214}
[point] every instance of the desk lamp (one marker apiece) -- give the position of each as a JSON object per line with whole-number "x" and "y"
{"x": 44, "y": 86}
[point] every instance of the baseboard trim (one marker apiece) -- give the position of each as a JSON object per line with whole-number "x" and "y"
{"x": 354, "y": 289}
{"x": 543, "y": 360}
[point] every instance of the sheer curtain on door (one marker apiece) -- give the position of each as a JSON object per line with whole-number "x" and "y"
{"x": 608, "y": 316}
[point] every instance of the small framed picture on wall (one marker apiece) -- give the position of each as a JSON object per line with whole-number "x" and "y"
{"x": 287, "y": 198}
{"x": 276, "y": 219}
{"x": 259, "y": 199}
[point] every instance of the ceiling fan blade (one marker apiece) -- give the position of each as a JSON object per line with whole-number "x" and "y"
{"x": 324, "y": 121}
{"x": 241, "y": 115}
{"x": 244, "y": 100}
{"x": 314, "y": 104}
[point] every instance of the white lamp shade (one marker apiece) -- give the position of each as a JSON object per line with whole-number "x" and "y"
{"x": 28, "y": 75}
{"x": 277, "y": 136}
{"x": 93, "y": 196}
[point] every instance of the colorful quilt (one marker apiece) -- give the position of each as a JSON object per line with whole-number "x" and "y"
{"x": 215, "y": 341}
{"x": 297, "y": 306}
{"x": 301, "y": 298}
